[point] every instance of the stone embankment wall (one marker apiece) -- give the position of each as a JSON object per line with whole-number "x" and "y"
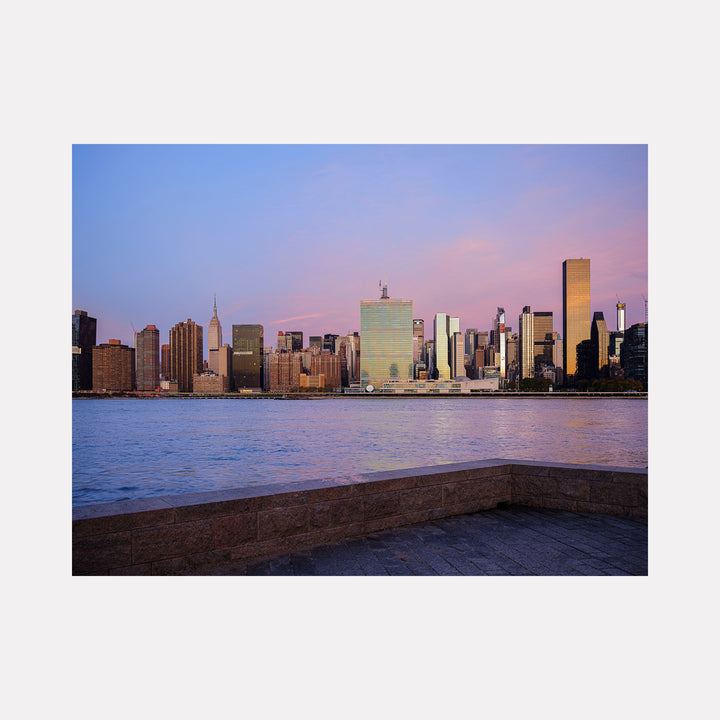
{"x": 183, "y": 533}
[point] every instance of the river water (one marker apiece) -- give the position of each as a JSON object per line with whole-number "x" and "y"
{"x": 130, "y": 448}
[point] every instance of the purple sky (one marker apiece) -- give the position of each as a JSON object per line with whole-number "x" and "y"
{"x": 294, "y": 236}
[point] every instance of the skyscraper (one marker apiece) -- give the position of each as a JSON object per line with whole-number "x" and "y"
{"x": 444, "y": 327}
{"x": 147, "y": 358}
{"x": 543, "y": 338}
{"x": 214, "y": 340}
{"x": 84, "y": 329}
{"x": 113, "y": 366}
{"x": 600, "y": 339}
{"x": 577, "y": 316}
{"x": 165, "y": 361}
{"x": 386, "y": 332}
{"x": 499, "y": 341}
{"x": 294, "y": 340}
{"x": 457, "y": 355}
{"x": 634, "y": 353}
{"x": 620, "y": 317}
{"x": 186, "y": 353}
{"x": 418, "y": 340}
{"x": 247, "y": 361}
{"x": 527, "y": 343}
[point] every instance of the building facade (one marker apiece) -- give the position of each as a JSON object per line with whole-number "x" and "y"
{"x": 634, "y": 353}
{"x": 600, "y": 339}
{"x": 186, "y": 353}
{"x": 499, "y": 341}
{"x": 84, "y": 337}
{"x": 247, "y": 359}
{"x": 284, "y": 370}
{"x": 386, "y": 340}
{"x": 542, "y": 338}
{"x": 113, "y": 367}
{"x": 147, "y": 359}
{"x": 214, "y": 340}
{"x": 577, "y": 317}
{"x": 526, "y": 344}
{"x": 330, "y": 366}
{"x": 210, "y": 383}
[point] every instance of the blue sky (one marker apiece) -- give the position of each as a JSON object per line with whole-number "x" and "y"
{"x": 294, "y": 236}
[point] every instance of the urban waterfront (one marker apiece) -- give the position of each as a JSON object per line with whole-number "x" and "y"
{"x": 126, "y": 449}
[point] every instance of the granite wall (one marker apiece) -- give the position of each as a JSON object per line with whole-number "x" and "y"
{"x": 183, "y": 533}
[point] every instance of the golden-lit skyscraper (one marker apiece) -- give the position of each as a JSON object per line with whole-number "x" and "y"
{"x": 577, "y": 317}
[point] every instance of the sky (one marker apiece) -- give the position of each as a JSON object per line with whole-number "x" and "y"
{"x": 293, "y": 237}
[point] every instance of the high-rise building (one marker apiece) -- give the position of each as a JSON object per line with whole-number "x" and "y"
{"x": 543, "y": 338}
{"x": 527, "y": 344}
{"x": 457, "y": 355}
{"x": 634, "y": 353}
{"x": 600, "y": 339}
{"x": 247, "y": 361}
{"x": 147, "y": 359}
{"x": 294, "y": 340}
{"x": 386, "y": 340}
{"x": 84, "y": 330}
{"x": 328, "y": 365}
{"x": 165, "y": 361}
{"x": 329, "y": 342}
{"x": 225, "y": 362}
{"x": 418, "y": 340}
{"x": 430, "y": 358}
{"x": 444, "y": 327}
{"x": 349, "y": 353}
{"x": 315, "y": 343}
{"x": 214, "y": 340}
{"x": 620, "y": 317}
{"x": 186, "y": 353}
{"x": 577, "y": 316}
{"x": 113, "y": 366}
{"x": 499, "y": 341}
{"x": 284, "y": 370}
{"x": 470, "y": 341}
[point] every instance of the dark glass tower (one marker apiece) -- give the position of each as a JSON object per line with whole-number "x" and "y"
{"x": 84, "y": 330}
{"x": 247, "y": 356}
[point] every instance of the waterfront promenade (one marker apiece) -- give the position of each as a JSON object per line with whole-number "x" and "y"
{"x": 492, "y": 516}
{"x": 513, "y": 540}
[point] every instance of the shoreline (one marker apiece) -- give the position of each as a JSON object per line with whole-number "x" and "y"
{"x": 88, "y": 394}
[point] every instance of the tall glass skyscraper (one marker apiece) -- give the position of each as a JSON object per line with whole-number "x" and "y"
{"x": 577, "y": 317}
{"x": 247, "y": 356}
{"x": 386, "y": 345}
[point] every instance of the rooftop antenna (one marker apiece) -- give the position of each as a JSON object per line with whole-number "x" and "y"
{"x": 644, "y": 297}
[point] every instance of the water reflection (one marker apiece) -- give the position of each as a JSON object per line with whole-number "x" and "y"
{"x": 130, "y": 448}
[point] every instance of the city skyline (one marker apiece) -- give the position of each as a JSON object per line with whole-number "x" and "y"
{"x": 292, "y": 237}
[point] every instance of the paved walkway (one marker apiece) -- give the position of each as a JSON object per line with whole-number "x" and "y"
{"x": 509, "y": 541}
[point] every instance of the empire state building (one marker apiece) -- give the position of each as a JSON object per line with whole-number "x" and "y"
{"x": 214, "y": 341}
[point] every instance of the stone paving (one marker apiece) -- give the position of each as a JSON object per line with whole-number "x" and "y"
{"x": 509, "y": 541}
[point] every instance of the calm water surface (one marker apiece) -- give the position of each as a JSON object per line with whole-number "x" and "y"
{"x": 126, "y": 448}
